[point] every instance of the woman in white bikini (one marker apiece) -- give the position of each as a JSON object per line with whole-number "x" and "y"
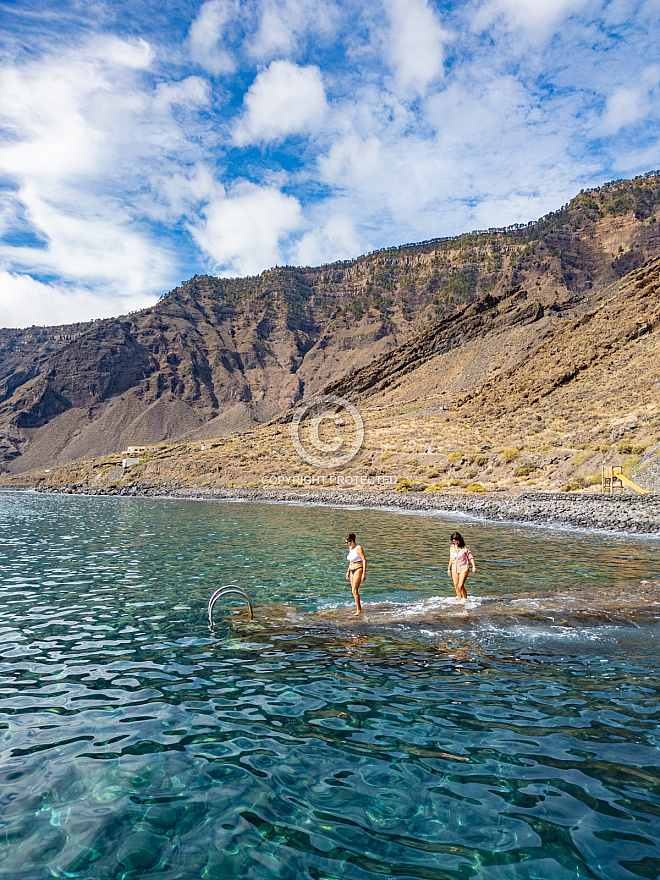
{"x": 357, "y": 568}
{"x": 459, "y": 564}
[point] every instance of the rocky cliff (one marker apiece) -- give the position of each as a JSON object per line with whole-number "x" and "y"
{"x": 219, "y": 355}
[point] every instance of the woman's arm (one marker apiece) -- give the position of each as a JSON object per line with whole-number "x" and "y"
{"x": 471, "y": 558}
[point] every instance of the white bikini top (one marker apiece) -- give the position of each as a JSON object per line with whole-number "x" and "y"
{"x": 353, "y": 555}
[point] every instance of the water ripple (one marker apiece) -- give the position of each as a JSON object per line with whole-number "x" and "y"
{"x": 452, "y": 744}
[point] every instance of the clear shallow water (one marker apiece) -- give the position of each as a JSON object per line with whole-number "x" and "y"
{"x": 513, "y": 739}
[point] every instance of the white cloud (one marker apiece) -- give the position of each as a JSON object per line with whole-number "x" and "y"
{"x": 479, "y": 152}
{"x": 41, "y": 108}
{"x": 416, "y": 43}
{"x": 632, "y": 103}
{"x": 537, "y": 18}
{"x": 136, "y": 54}
{"x": 25, "y": 301}
{"x": 88, "y": 142}
{"x": 284, "y": 99}
{"x": 334, "y": 239}
{"x": 207, "y": 35}
{"x": 181, "y": 192}
{"x": 284, "y": 24}
{"x": 100, "y": 248}
{"x": 243, "y": 233}
{"x": 193, "y": 91}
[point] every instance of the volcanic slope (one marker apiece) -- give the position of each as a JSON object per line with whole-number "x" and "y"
{"x": 586, "y": 378}
{"x": 584, "y": 392}
{"x": 216, "y": 356}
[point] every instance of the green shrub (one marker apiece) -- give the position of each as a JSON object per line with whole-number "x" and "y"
{"x": 572, "y": 486}
{"x": 509, "y": 455}
{"x": 525, "y": 470}
{"x": 475, "y": 487}
{"x": 623, "y": 447}
{"x": 403, "y": 485}
{"x": 638, "y": 450}
{"x": 481, "y": 460}
{"x": 436, "y": 487}
{"x": 455, "y": 456}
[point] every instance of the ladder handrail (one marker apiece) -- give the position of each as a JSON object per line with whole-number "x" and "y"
{"x": 645, "y": 457}
{"x": 224, "y": 591}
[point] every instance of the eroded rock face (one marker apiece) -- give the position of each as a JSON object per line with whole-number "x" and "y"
{"x": 220, "y": 355}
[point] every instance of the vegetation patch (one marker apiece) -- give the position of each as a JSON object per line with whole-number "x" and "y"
{"x": 403, "y": 485}
{"x": 525, "y": 470}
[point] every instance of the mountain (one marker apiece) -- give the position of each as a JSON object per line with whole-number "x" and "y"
{"x": 551, "y": 397}
{"x": 506, "y": 358}
{"x": 221, "y": 355}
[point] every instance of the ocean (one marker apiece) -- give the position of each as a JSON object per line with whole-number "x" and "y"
{"x": 515, "y": 736}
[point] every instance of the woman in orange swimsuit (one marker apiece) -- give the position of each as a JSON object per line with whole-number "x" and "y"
{"x": 459, "y": 564}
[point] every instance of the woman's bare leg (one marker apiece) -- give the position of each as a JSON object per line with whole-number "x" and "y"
{"x": 460, "y": 589}
{"x": 356, "y": 580}
{"x": 455, "y": 576}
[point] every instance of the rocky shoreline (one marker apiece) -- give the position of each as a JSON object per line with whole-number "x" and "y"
{"x": 621, "y": 513}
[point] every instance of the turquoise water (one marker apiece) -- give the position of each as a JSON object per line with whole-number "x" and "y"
{"x": 516, "y": 737}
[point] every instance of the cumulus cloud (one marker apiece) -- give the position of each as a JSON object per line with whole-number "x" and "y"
{"x": 284, "y": 99}
{"x": 24, "y": 301}
{"x": 243, "y": 232}
{"x": 207, "y": 34}
{"x": 416, "y": 43}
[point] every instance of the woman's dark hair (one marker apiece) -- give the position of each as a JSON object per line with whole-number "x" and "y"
{"x": 351, "y": 537}
{"x": 456, "y": 536}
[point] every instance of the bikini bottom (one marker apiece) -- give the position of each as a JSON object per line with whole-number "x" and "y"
{"x": 459, "y": 569}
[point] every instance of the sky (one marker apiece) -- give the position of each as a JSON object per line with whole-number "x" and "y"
{"x": 146, "y": 141}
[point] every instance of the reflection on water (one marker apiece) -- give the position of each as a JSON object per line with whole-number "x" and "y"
{"x": 516, "y": 737}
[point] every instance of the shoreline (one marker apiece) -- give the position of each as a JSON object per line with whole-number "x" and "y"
{"x": 625, "y": 514}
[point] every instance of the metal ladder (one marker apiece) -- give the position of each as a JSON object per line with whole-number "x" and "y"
{"x": 226, "y": 591}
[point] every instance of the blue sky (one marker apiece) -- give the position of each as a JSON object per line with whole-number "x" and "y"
{"x": 142, "y": 142}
